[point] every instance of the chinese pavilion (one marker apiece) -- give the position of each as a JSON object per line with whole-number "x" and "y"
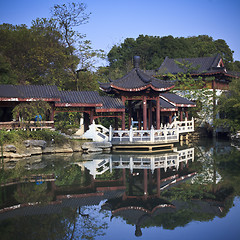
{"x": 145, "y": 97}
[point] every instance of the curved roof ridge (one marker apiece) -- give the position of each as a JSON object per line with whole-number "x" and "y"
{"x": 137, "y": 80}
{"x": 144, "y": 77}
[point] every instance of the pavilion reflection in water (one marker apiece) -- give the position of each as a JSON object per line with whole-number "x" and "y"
{"x": 134, "y": 193}
{"x": 144, "y": 177}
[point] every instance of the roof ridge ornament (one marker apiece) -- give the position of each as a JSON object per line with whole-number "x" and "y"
{"x": 136, "y": 61}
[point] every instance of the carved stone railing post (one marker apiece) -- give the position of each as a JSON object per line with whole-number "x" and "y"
{"x": 110, "y": 134}
{"x": 152, "y": 139}
{"x": 131, "y": 134}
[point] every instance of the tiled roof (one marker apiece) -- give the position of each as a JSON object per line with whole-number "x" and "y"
{"x": 167, "y": 105}
{"x": 61, "y": 98}
{"x": 83, "y": 98}
{"x": 9, "y": 91}
{"x": 29, "y": 91}
{"x": 39, "y": 91}
{"x": 199, "y": 65}
{"x": 111, "y": 103}
{"x": 88, "y": 97}
{"x": 137, "y": 80}
{"x": 177, "y": 100}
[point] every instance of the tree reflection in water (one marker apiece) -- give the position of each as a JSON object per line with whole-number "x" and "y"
{"x": 78, "y": 198}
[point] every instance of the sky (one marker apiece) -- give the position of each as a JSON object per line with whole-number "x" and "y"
{"x": 113, "y": 21}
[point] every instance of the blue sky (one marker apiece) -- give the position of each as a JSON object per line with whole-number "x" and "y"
{"x": 113, "y": 21}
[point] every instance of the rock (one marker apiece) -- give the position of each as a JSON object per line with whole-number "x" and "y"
{"x": 35, "y": 143}
{"x": 10, "y": 148}
{"x": 91, "y": 150}
{"x": 103, "y": 145}
{"x": 48, "y": 150}
{"x": 34, "y": 150}
{"x": 66, "y": 148}
{"x": 15, "y": 155}
{"x": 96, "y": 146}
{"x": 76, "y": 146}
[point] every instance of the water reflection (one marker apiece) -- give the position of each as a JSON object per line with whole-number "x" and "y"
{"x": 62, "y": 197}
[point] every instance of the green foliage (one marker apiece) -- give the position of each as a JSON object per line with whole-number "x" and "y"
{"x": 67, "y": 121}
{"x": 28, "y": 110}
{"x": 18, "y": 136}
{"x": 6, "y": 74}
{"x": 229, "y": 108}
{"x": 87, "y": 81}
{"x": 189, "y": 191}
{"x": 35, "y": 55}
{"x": 50, "y": 51}
{"x": 154, "y": 49}
{"x": 235, "y": 66}
{"x": 229, "y": 168}
{"x": 32, "y": 193}
{"x": 68, "y": 176}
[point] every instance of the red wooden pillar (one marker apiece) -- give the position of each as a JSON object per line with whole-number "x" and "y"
{"x": 181, "y": 114}
{"x": 123, "y": 114}
{"x": 158, "y": 181}
{"x": 123, "y": 120}
{"x": 145, "y": 187}
{"x": 129, "y": 113}
{"x": 158, "y": 113}
{"x": 144, "y": 113}
{"x": 91, "y": 116}
{"x": 150, "y": 115}
{"x": 186, "y": 114}
{"x": 139, "y": 118}
{"x": 181, "y": 166}
{"x": 116, "y": 123}
{"x": 52, "y": 113}
{"x": 124, "y": 176}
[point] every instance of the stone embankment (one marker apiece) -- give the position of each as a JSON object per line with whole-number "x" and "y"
{"x": 37, "y": 147}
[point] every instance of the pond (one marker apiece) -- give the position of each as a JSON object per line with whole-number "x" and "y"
{"x": 190, "y": 193}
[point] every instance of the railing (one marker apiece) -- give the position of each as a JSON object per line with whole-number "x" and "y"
{"x": 152, "y": 162}
{"x": 134, "y": 136}
{"x": 97, "y": 133}
{"x": 164, "y": 161}
{"x": 183, "y": 126}
{"x": 167, "y": 133}
{"x": 97, "y": 166}
{"x": 32, "y": 125}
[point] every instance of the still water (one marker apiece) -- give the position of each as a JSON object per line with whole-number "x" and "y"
{"x": 190, "y": 193}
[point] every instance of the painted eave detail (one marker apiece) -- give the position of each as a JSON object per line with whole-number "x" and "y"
{"x": 141, "y": 88}
{"x": 78, "y": 104}
{"x": 12, "y": 99}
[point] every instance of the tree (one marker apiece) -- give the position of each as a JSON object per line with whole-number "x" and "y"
{"x": 6, "y": 75}
{"x": 154, "y": 49}
{"x": 229, "y": 107}
{"x": 34, "y": 55}
{"x": 67, "y": 17}
{"x": 50, "y": 51}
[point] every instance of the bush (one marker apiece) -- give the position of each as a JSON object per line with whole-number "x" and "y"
{"x": 16, "y": 136}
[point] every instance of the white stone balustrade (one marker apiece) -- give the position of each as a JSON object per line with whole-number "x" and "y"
{"x": 167, "y": 133}
{"x": 152, "y": 162}
{"x": 134, "y": 162}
